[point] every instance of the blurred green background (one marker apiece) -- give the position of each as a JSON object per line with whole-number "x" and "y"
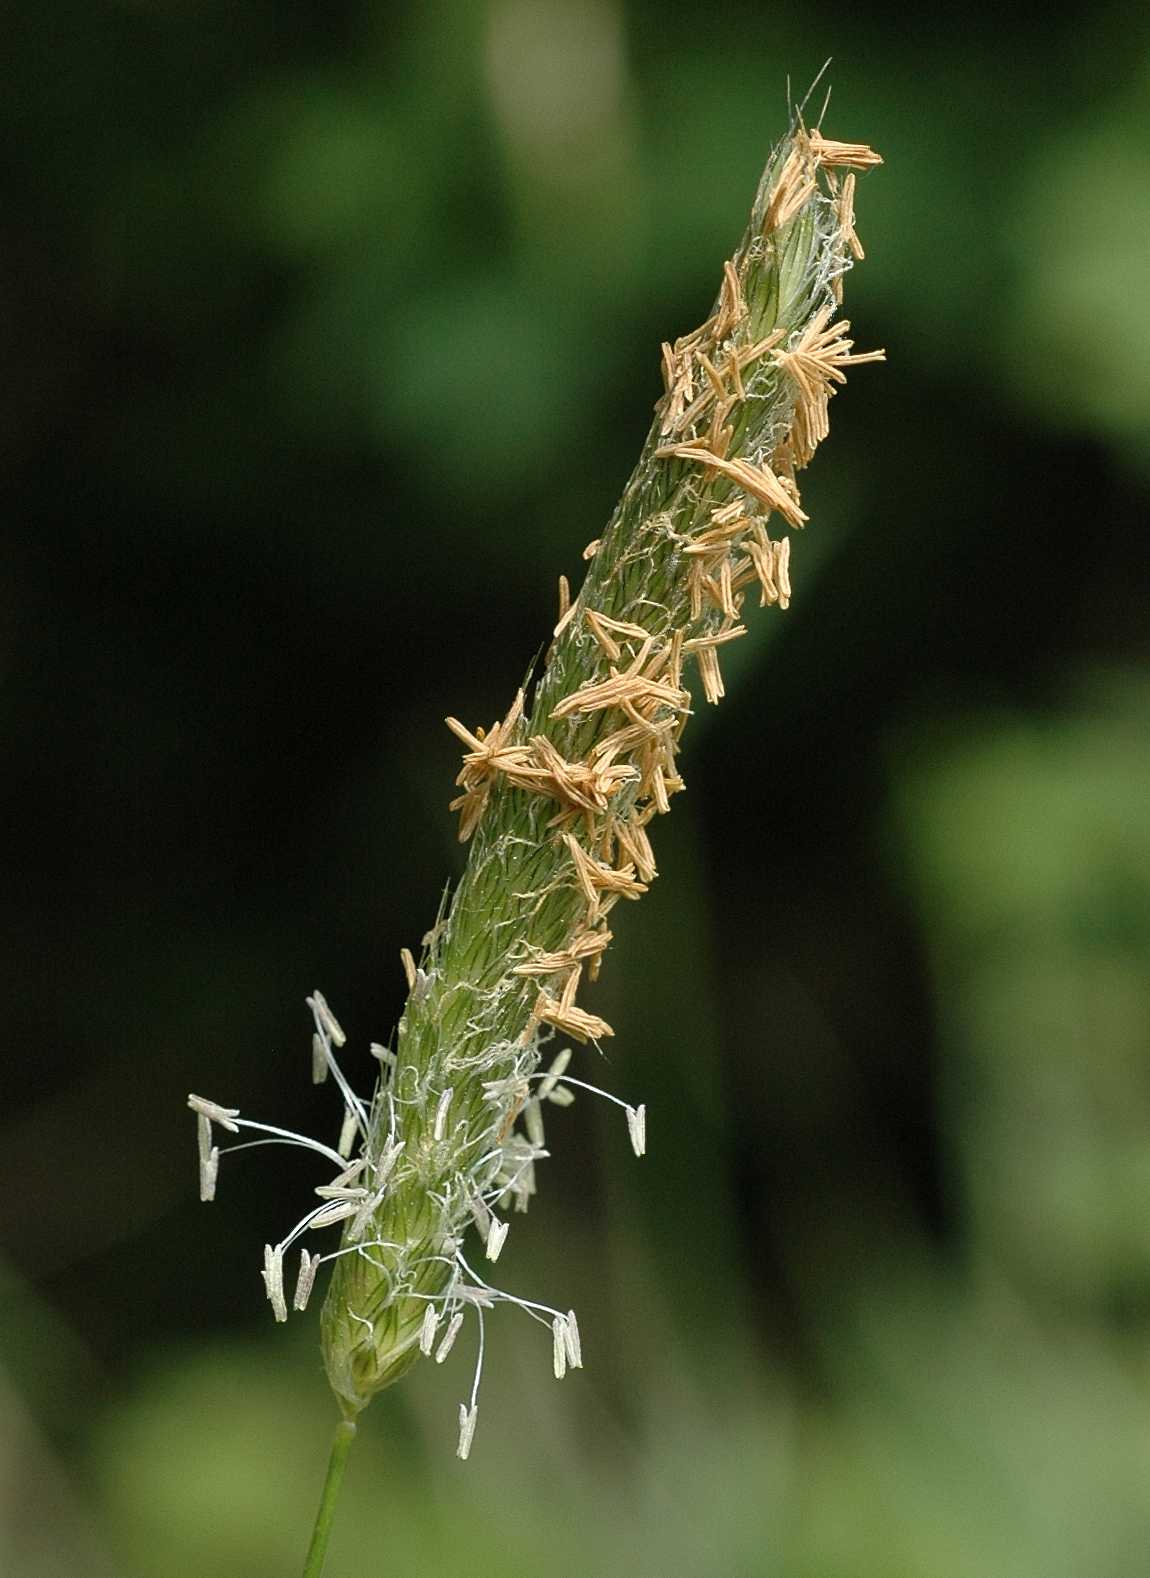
{"x": 331, "y": 333}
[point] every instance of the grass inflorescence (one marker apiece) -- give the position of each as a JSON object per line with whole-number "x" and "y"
{"x": 557, "y": 800}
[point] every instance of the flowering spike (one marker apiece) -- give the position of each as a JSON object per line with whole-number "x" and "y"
{"x": 558, "y": 799}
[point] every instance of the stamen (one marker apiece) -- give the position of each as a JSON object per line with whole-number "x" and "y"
{"x": 338, "y": 1191}
{"x": 293, "y": 1139}
{"x": 496, "y": 1237}
{"x": 347, "y": 1132}
{"x": 441, "y": 1113}
{"x": 319, "y": 1063}
{"x": 215, "y": 1113}
{"x": 573, "y": 1342}
{"x": 209, "y": 1173}
{"x": 273, "y": 1275}
{"x": 328, "y": 1030}
{"x": 427, "y": 1330}
{"x": 637, "y": 1127}
{"x": 551, "y": 1078}
{"x": 449, "y": 1337}
{"x": 533, "y": 1122}
{"x": 308, "y": 1266}
{"x": 337, "y": 1211}
{"x": 326, "y": 1019}
{"x": 467, "y": 1418}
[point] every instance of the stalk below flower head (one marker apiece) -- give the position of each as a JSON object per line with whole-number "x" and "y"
{"x": 557, "y": 799}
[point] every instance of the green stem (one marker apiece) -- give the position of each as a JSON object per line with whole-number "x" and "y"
{"x": 340, "y": 1447}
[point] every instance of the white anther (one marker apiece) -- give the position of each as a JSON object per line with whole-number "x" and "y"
{"x": 561, "y": 1096}
{"x": 209, "y": 1172}
{"x": 337, "y": 1211}
{"x": 427, "y": 1330}
{"x": 467, "y": 1418}
{"x": 340, "y": 1192}
{"x": 325, "y": 1019}
{"x": 215, "y": 1113}
{"x": 449, "y": 1337}
{"x": 549, "y": 1081}
{"x": 441, "y": 1113}
{"x": 559, "y": 1346}
{"x": 496, "y": 1237}
{"x": 572, "y": 1341}
{"x": 347, "y": 1132}
{"x": 319, "y": 1064}
{"x": 637, "y": 1127}
{"x": 533, "y": 1122}
{"x": 273, "y": 1275}
{"x": 387, "y": 1162}
{"x": 308, "y": 1266}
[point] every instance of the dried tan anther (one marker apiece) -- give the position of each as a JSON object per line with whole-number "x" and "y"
{"x": 732, "y": 307}
{"x": 604, "y": 630}
{"x": 585, "y": 945}
{"x": 631, "y": 685}
{"x": 592, "y": 548}
{"x": 794, "y": 185}
{"x": 636, "y": 847}
{"x": 782, "y": 571}
{"x": 703, "y": 648}
{"x": 705, "y": 643}
{"x": 718, "y": 387}
{"x": 585, "y": 786}
{"x": 847, "y": 155}
{"x": 601, "y": 884}
{"x": 480, "y": 763}
{"x": 761, "y": 567}
{"x": 679, "y": 378}
{"x": 759, "y": 481}
{"x": 847, "y": 217}
{"x": 570, "y": 1021}
{"x": 408, "y": 962}
{"x": 815, "y": 363}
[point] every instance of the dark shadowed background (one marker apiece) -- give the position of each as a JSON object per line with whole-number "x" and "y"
{"x": 330, "y": 334}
